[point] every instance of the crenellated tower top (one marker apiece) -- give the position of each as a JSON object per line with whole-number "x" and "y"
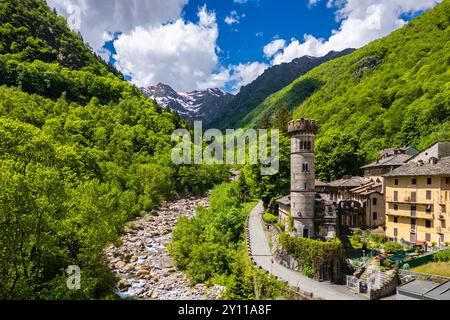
{"x": 303, "y": 126}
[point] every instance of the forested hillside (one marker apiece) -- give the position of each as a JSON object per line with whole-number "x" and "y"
{"x": 393, "y": 92}
{"x": 81, "y": 152}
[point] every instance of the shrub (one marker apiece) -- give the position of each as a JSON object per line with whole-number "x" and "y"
{"x": 392, "y": 247}
{"x": 270, "y": 218}
{"x": 442, "y": 256}
{"x": 310, "y": 254}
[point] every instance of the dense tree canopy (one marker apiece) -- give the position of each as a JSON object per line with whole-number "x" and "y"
{"x": 81, "y": 152}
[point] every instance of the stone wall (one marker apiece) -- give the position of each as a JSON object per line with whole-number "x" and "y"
{"x": 406, "y": 276}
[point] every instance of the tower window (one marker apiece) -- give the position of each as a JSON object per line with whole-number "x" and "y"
{"x": 305, "y": 167}
{"x": 374, "y": 201}
{"x": 375, "y": 216}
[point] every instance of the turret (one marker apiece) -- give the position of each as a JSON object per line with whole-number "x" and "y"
{"x": 303, "y": 133}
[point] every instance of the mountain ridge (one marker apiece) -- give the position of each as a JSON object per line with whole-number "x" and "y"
{"x": 198, "y": 105}
{"x": 272, "y": 80}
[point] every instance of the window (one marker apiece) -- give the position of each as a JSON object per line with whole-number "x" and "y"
{"x": 413, "y": 222}
{"x": 395, "y": 219}
{"x": 429, "y": 208}
{"x": 447, "y": 180}
{"x": 305, "y": 167}
{"x": 413, "y": 197}
{"x": 427, "y": 237}
{"x": 374, "y": 201}
{"x": 375, "y": 216}
{"x": 395, "y": 207}
{"x": 428, "y": 194}
{"x": 427, "y": 224}
{"x": 395, "y": 196}
{"x": 395, "y": 232}
{"x": 396, "y": 182}
{"x": 414, "y": 181}
{"x": 429, "y": 181}
{"x": 414, "y": 209}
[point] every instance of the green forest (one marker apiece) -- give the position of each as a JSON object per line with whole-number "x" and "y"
{"x": 210, "y": 248}
{"x": 393, "y": 92}
{"x": 81, "y": 152}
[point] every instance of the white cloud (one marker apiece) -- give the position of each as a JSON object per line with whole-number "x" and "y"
{"x": 95, "y": 18}
{"x": 233, "y": 17}
{"x": 245, "y": 73}
{"x": 240, "y": 1}
{"x": 181, "y": 54}
{"x": 362, "y": 21}
{"x": 273, "y": 47}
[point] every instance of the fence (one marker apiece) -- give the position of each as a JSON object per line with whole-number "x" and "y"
{"x": 417, "y": 262}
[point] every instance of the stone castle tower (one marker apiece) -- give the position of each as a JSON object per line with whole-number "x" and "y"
{"x": 303, "y": 194}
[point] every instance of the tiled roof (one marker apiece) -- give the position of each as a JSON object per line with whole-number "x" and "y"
{"x": 368, "y": 188}
{"x": 441, "y": 168}
{"x": 396, "y": 160}
{"x": 285, "y": 200}
{"x": 320, "y": 183}
{"x": 349, "y": 182}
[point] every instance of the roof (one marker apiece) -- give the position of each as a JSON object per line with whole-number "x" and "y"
{"x": 426, "y": 290}
{"x": 320, "y": 183}
{"x": 441, "y": 168}
{"x": 391, "y": 161}
{"x": 368, "y": 188}
{"x": 418, "y": 287}
{"x": 349, "y": 182}
{"x": 285, "y": 200}
{"x": 440, "y": 293}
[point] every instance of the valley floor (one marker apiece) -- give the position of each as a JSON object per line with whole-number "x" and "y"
{"x": 142, "y": 263}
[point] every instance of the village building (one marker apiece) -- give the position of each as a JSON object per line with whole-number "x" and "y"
{"x": 418, "y": 198}
{"x": 316, "y": 209}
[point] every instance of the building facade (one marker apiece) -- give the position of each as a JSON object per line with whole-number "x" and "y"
{"x": 418, "y": 198}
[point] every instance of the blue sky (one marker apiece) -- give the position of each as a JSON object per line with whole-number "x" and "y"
{"x": 199, "y": 44}
{"x": 264, "y": 21}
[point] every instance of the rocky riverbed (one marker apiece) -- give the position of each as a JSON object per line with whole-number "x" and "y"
{"x": 144, "y": 266}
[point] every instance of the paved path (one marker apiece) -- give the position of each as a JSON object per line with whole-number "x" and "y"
{"x": 262, "y": 256}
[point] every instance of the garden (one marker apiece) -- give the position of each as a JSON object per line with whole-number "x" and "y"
{"x": 365, "y": 248}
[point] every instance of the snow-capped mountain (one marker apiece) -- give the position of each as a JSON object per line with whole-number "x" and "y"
{"x": 196, "y": 105}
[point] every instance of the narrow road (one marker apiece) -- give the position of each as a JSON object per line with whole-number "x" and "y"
{"x": 262, "y": 256}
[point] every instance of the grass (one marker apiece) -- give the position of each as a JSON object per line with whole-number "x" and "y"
{"x": 435, "y": 268}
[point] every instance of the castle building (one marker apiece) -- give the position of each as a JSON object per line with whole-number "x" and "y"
{"x": 316, "y": 209}
{"x": 418, "y": 198}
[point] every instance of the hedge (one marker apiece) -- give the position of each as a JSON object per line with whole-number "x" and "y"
{"x": 309, "y": 252}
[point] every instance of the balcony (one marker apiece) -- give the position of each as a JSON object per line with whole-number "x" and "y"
{"x": 408, "y": 200}
{"x": 411, "y": 214}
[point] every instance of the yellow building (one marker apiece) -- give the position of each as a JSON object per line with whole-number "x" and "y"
{"x": 418, "y": 198}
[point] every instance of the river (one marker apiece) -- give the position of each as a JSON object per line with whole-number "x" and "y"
{"x": 144, "y": 266}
